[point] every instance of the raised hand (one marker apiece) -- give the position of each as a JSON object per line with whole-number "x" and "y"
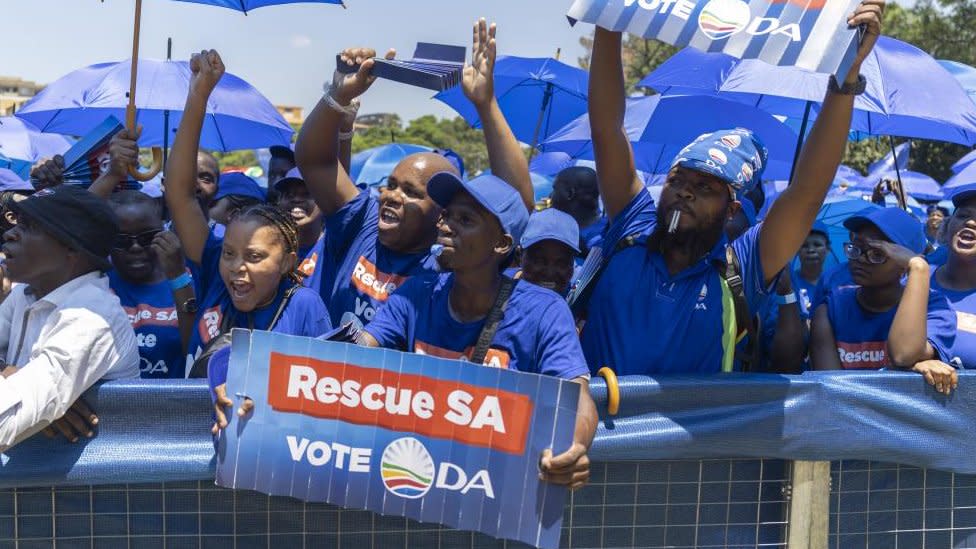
{"x": 207, "y": 68}
{"x": 868, "y": 14}
{"x": 348, "y": 87}
{"x": 124, "y": 151}
{"x": 168, "y": 251}
{"x": 48, "y": 172}
{"x": 901, "y": 255}
{"x": 479, "y": 77}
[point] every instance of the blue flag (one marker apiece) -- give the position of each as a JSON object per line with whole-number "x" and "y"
{"x": 400, "y": 434}
{"x": 811, "y": 34}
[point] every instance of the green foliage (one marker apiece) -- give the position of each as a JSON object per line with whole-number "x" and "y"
{"x": 236, "y": 159}
{"x": 443, "y": 133}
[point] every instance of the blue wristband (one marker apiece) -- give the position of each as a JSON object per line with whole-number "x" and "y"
{"x": 181, "y": 281}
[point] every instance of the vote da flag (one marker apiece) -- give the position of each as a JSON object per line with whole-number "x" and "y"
{"x": 402, "y": 434}
{"x": 810, "y": 34}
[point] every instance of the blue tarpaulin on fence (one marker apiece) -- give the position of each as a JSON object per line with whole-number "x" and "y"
{"x": 156, "y": 431}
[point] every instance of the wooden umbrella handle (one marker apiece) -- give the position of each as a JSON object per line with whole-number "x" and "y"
{"x": 130, "y": 109}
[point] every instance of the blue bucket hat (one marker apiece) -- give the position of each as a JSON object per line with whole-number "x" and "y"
{"x": 735, "y": 156}
{"x": 551, "y": 224}
{"x": 898, "y": 225}
{"x": 493, "y": 193}
{"x": 238, "y": 184}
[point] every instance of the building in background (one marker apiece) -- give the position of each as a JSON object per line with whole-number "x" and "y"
{"x": 293, "y": 115}
{"x": 367, "y": 121}
{"x": 14, "y": 92}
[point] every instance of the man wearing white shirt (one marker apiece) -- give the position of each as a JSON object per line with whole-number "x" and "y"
{"x": 62, "y": 329}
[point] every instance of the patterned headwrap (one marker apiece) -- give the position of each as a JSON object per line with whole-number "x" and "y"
{"x": 736, "y": 156}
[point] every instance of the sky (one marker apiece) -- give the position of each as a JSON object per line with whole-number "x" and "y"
{"x": 286, "y": 52}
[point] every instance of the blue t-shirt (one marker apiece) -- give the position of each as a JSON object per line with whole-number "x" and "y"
{"x": 310, "y": 263}
{"x": 537, "y": 333}
{"x": 358, "y": 273}
{"x": 963, "y": 351}
{"x": 837, "y": 277}
{"x": 152, "y": 312}
{"x": 642, "y": 320}
{"x": 938, "y": 257}
{"x": 805, "y": 292}
{"x": 862, "y": 336}
{"x": 592, "y": 235}
{"x": 305, "y": 314}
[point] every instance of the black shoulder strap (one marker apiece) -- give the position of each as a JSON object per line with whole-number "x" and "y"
{"x": 579, "y": 297}
{"x": 492, "y": 321}
{"x": 731, "y": 272}
{"x": 226, "y": 323}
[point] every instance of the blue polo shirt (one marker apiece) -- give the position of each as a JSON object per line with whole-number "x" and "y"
{"x": 358, "y": 273}
{"x": 837, "y": 277}
{"x": 643, "y": 320}
{"x": 537, "y": 333}
{"x": 592, "y": 235}
{"x": 862, "y": 336}
{"x": 305, "y": 314}
{"x": 152, "y": 312}
{"x": 310, "y": 263}
{"x": 963, "y": 351}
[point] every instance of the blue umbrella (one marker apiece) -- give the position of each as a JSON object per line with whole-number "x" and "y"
{"x": 21, "y": 140}
{"x": 833, "y": 214}
{"x": 965, "y": 74}
{"x": 893, "y": 104}
{"x": 248, "y": 5}
{"x": 963, "y": 162}
{"x": 537, "y": 95}
{"x": 963, "y": 177}
{"x": 372, "y": 166}
{"x": 915, "y": 184}
{"x": 238, "y": 116}
{"x": 659, "y": 127}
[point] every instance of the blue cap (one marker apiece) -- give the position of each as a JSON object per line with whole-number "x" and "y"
{"x": 452, "y": 157}
{"x": 820, "y": 227}
{"x": 9, "y": 181}
{"x": 962, "y": 193}
{"x": 292, "y": 175}
{"x": 236, "y": 183}
{"x": 494, "y": 194}
{"x": 898, "y": 225}
{"x": 551, "y": 224}
{"x": 736, "y": 156}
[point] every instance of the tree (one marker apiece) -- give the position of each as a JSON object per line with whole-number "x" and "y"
{"x": 445, "y": 133}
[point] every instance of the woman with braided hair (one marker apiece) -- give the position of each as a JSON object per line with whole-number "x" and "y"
{"x": 248, "y": 278}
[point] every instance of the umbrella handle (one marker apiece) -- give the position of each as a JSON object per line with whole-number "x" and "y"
{"x": 154, "y": 168}
{"x": 613, "y": 390}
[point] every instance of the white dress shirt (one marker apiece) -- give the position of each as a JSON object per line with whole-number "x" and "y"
{"x": 62, "y": 344}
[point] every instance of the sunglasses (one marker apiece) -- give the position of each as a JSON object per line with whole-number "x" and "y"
{"x": 125, "y": 241}
{"x": 873, "y": 255}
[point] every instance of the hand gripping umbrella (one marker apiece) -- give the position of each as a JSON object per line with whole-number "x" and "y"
{"x": 130, "y": 112}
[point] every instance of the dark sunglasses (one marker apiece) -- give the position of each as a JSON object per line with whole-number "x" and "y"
{"x": 125, "y": 241}
{"x": 873, "y": 255}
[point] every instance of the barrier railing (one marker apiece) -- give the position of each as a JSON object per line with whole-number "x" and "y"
{"x": 664, "y": 476}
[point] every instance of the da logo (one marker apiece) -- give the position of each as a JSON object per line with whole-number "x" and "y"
{"x": 718, "y": 156}
{"x": 747, "y": 172}
{"x": 722, "y": 18}
{"x": 731, "y": 140}
{"x": 407, "y": 468}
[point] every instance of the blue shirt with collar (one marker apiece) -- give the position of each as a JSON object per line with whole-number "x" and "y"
{"x": 643, "y": 320}
{"x": 963, "y": 303}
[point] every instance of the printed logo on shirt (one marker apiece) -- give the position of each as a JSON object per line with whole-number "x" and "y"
{"x": 966, "y": 322}
{"x": 209, "y": 325}
{"x": 496, "y": 358}
{"x": 871, "y": 355}
{"x": 147, "y": 315}
{"x": 308, "y": 265}
{"x": 374, "y": 283}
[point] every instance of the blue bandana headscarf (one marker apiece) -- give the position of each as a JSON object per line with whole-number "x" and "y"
{"x": 736, "y": 156}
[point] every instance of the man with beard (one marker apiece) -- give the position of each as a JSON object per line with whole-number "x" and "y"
{"x": 667, "y": 306}
{"x": 373, "y": 248}
{"x": 446, "y": 314}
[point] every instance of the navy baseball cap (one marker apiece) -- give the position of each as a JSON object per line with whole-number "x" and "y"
{"x": 292, "y": 175}
{"x": 898, "y": 225}
{"x": 493, "y": 193}
{"x": 963, "y": 193}
{"x": 551, "y": 224}
{"x": 236, "y": 183}
{"x": 9, "y": 181}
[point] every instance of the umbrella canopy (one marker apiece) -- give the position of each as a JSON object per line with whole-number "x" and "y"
{"x": 833, "y": 213}
{"x": 963, "y": 162}
{"x": 917, "y": 185}
{"x": 537, "y": 95}
{"x": 659, "y": 127}
{"x": 372, "y": 166}
{"x": 22, "y": 141}
{"x": 238, "y": 116}
{"x": 965, "y": 74}
{"x": 248, "y": 5}
{"x": 965, "y": 176}
{"x": 893, "y": 104}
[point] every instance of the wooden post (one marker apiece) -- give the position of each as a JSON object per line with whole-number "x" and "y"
{"x": 809, "y": 505}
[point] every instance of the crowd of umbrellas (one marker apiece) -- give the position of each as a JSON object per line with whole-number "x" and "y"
{"x": 544, "y": 100}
